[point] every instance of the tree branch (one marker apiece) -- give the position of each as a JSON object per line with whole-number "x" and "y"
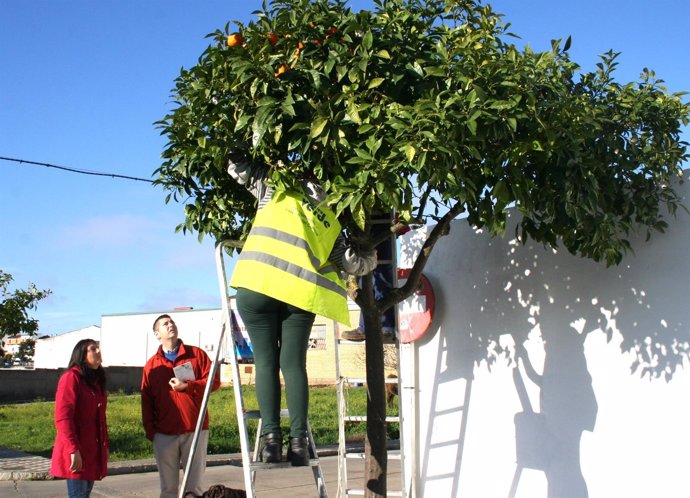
{"x": 442, "y": 228}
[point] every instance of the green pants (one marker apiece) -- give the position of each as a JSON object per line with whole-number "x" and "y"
{"x": 280, "y": 335}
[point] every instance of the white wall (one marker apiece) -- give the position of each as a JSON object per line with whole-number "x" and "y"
{"x": 56, "y": 351}
{"x": 608, "y": 346}
{"x": 128, "y": 340}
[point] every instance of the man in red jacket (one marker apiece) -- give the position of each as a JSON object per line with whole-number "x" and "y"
{"x": 172, "y": 389}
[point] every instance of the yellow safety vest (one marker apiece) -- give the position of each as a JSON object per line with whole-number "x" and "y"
{"x": 286, "y": 254}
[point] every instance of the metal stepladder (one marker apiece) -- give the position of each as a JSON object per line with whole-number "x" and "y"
{"x": 344, "y": 383}
{"x": 250, "y": 462}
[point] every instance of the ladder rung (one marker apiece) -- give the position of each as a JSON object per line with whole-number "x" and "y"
{"x": 359, "y": 455}
{"x": 252, "y": 414}
{"x": 363, "y": 418}
{"x": 355, "y": 380}
{"x": 360, "y": 492}
{"x": 355, "y": 455}
{"x": 314, "y": 462}
{"x": 361, "y": 343}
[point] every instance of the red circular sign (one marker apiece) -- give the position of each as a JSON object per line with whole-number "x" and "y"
{"x": 417, "y": 311}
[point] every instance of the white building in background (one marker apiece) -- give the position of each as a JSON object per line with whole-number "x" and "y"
{"x": 127, "y": 340}
{"x": 55, "y": 351}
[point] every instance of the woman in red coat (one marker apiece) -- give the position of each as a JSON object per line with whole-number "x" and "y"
{"x": 80, "y": 454}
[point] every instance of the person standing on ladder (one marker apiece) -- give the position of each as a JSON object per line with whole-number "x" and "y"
{"x": 172, "y": 389}
{"x": 383, "y": 282}
{"x": 288, "y": 272}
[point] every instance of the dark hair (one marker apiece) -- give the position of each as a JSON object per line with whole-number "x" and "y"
{"x": 93, "y": 377}
{"x": 155, "y": 322}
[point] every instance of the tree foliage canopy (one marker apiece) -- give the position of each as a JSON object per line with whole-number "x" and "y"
{"x": 416, "y": 106}
{"x": 15, "y": 307}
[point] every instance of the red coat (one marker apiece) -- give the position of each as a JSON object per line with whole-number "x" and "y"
{"x": 166, "y": 410}
{"x": 81, "y": 425}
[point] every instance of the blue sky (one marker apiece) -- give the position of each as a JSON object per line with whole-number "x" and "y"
{"x": 82, "y": 83}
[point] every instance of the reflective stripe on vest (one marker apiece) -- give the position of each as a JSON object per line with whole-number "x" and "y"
{"x": 286, "y": 254}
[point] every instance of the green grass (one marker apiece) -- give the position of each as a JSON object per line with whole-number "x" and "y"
{"x": 29, "y": 427}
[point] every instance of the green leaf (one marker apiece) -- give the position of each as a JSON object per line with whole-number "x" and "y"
{"x": 317, "y": 127}
{"x": 368, "y": 40}
{"x": 359, "y": 215}
{"x": 410, "y": 152}
{"x": 472, "y": 126}
{"x": 353, "y": 112}
{"x": 500, "y": 192}
{"x": 375, "y": 82}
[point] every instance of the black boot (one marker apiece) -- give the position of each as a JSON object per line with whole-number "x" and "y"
{"x": 272, "y": 451}
{"x": 298, "y": 452}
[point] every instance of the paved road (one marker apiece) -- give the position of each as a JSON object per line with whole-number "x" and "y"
{"x": 288, "y": 482}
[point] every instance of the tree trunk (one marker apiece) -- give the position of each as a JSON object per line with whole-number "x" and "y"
{"x": 375, "y": 446}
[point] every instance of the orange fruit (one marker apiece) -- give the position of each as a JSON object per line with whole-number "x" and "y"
{"x": 300, "y": 46}
{"x": 235, "y": 39}
{"x": 281, "y": 70}
{"x": 272, "y": 38}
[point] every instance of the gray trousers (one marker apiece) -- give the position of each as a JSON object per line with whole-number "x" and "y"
{"x": 172, "y": 453}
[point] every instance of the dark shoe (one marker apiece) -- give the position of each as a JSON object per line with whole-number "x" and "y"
{"x": 298, "y": 452}
{"x": 272, "y": 451}
{"x": 353, "y": 335}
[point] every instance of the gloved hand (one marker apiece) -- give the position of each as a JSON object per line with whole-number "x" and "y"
{"x": 239, "y": 168}
{"x": 359, "y": 263}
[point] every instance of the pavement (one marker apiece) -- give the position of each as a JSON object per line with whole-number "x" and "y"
{"x": 24, "y": 475}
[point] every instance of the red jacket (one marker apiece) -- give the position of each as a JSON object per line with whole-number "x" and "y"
{"x": 166, "y": 410}
{"x": 81, "y": 425}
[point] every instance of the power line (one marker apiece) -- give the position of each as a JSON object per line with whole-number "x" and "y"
{"x": 74, "y": 170}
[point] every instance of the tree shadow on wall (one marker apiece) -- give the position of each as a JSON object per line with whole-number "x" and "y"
{"x": 499, "y": 296}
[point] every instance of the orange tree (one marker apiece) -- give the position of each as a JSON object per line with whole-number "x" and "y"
{"x": 424, "y": 108}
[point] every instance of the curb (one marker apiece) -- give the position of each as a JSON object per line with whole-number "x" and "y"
{"x": 15, "y": 460}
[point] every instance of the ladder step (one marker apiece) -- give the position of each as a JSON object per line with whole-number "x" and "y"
{"x": 386, "y": 340}
{"x": 360, "y": 492}
{"x": 355, "y": 380}
{"x": 314, "y": 462}
{"x": 255, "y": 414}
{"x": 363, "y": 418}
{"x": 359, "y": 455}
